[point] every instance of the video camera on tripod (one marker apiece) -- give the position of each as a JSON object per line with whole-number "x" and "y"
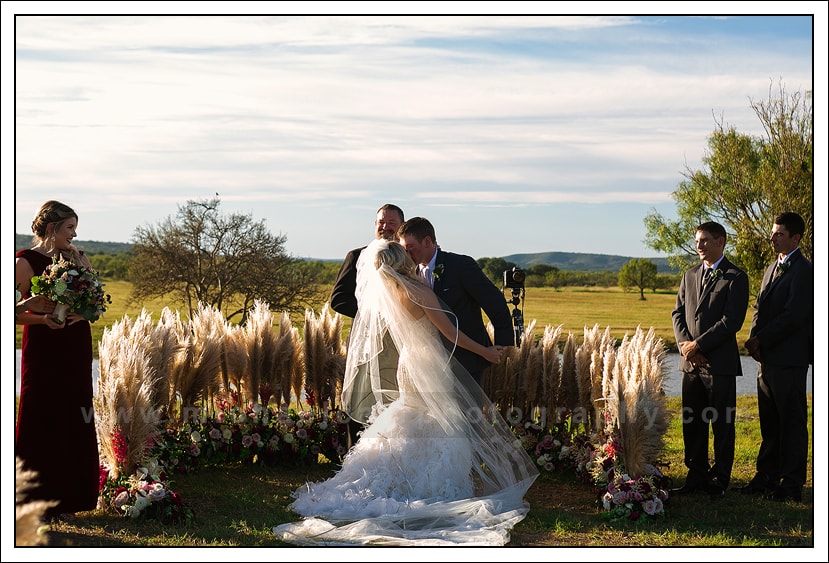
{"x": 514, "y": 281}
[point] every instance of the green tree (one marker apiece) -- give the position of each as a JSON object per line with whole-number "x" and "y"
{"x": 112, "y": 266}
{"x": 745, "y": 183}
{"x": 226, "y": 262}
{"x": 639, "y": 273}
{"x": 494, "y": 269}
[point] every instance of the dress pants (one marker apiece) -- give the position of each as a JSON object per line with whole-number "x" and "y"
{"x": 703, "y": 406}
{"x": 781, "y": 402}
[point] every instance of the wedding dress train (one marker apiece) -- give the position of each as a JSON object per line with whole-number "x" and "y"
{"x": 437, "y": 466}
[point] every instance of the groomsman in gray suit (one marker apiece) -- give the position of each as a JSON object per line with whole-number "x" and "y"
{"x": 782, "y": 341}
{"x": 710, "y": 310}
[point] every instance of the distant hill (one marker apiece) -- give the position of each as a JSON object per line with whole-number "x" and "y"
{"x": 88, "y": 246}
{"x": 583, "y": 262}
{"x": 577, "y": 261}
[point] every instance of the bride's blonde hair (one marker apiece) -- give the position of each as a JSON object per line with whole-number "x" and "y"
{"x": 395, "y": 257}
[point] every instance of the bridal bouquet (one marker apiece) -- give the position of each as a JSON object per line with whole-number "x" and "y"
{"x": 74, "y": 288}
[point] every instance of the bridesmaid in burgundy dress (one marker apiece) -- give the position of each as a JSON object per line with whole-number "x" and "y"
{"x": 55, "y": 434}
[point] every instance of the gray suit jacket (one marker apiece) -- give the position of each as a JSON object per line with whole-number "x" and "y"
{"x": 784, "y": 314}
{"x": 712, "y": 312}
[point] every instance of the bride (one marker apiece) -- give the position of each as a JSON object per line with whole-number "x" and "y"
{"x": 436, "y": 466}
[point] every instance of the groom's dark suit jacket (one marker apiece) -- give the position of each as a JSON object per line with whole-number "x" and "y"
{"x": 784, "y": 313}
{"x": 464, "y": 287}
{"x": 712, "y": 313}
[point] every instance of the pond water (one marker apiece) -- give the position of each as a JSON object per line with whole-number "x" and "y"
{"x": 746, "y": 385}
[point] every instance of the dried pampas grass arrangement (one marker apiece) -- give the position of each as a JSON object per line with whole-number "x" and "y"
{"x": 144, "y": 368}
{"x": 29, "y": 528}
{"x": 637, "y": 400}
{"x": 260, "y": 343}
{"x": 324, "y": 355}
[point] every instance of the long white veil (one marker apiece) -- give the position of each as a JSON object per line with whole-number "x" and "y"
{"x": 500, "y": 469}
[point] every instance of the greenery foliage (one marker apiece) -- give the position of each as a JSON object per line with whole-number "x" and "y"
{"x": 640, "y": 274}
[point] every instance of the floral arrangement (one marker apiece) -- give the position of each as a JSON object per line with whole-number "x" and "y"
{"x": 253, "y": 434}
{"x": 634, "y": 498}
{"x": 783, "y": 267}
{"x": 548, "y": 447}
{"x": 144, "y": 493}
{"x": 622, "y": 496}
{"x": 597, "y": 460}
{"x": 714, "y": 274}
{"x": 76, "y": 287}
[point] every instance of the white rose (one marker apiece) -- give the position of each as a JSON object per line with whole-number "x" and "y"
{"x": 141, "y": 502}
{"x": 195, "y": 436}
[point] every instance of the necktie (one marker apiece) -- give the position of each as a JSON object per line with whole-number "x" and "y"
{"x": 426, "y": 275}
{"x": 777, "y": 271}
{"x": 704, "y": 278}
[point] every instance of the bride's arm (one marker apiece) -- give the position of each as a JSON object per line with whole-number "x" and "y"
{"x": 430, "y": 306}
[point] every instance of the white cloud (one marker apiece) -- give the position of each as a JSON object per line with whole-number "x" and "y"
{"x": 143, "y": 113}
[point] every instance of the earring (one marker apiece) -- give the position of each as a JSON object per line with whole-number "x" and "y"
{"x": 53, "y": 238}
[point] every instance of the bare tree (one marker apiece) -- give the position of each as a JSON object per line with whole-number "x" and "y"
{"x": 224, "y": 261}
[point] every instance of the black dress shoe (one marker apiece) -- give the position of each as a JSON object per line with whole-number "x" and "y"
{"x": 781, "y": 495}
{"x": 685, "y": 489}
{"x": 715, "y": 491}
{"x": 754, "y": 489}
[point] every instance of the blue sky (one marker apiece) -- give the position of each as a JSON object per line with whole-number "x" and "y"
{"x": 512, "y": 134}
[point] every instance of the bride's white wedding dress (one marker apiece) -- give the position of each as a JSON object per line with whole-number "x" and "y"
{"x": 437, "y": 466}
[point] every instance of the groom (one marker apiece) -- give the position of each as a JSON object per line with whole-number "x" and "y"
{"x": 461, "y": 284}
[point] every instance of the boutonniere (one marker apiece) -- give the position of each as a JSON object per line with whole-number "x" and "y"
{"x": 783, "y": 266}
{"x": 715, "y": 274}
{"x": 438, "y": 271}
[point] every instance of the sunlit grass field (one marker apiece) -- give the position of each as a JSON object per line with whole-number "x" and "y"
{"x": 573, "y": 308}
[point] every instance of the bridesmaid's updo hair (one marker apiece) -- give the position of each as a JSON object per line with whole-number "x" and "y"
{"x": 50, "y": 212}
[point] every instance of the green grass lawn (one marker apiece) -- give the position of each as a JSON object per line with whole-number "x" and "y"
{"x": 237, "y": 506}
